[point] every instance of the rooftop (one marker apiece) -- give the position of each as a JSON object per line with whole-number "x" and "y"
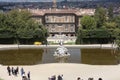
{"x": 78, "y": 12}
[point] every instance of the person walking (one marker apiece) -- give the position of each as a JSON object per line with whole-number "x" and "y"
{"x": 54, "y": 77}
{"x": 60, "y": 77}
{"x": 28, "y": 75}
{"x": 78, "y": 78}
{"x": 13, "y": 71}
{"x": 9, "y": 70}
{"x": 17, "y": 70}
{"x": 22, "y": 71}
{"x": 24, "y": 77}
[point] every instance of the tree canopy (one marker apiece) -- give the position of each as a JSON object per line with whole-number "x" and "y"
{"x": 88, "y": 22}
{"x": 17, "y": 24}
{"x": 100, "y": 16}
{"x": 102, "y": 27}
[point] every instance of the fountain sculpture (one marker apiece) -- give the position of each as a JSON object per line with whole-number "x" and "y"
{"x": 61, "y": 54}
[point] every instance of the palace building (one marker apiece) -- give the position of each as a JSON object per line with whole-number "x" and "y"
{"x": 60, "y": 22}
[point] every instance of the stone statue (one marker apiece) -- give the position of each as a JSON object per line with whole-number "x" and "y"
{"x": 61, "y": 53}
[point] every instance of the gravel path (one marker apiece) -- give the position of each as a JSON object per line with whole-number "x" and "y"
{"x": 70, "y": 71}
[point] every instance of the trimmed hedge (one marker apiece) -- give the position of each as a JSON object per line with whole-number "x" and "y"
{"x": 95, "y": 36}
{"x": 97, "y": 33}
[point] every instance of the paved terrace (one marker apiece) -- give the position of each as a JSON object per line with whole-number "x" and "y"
{"x": 102, "y": 46}
{"x": 69, "y": 71}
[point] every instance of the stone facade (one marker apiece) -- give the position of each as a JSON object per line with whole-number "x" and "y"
{"x": 60, "y": 21}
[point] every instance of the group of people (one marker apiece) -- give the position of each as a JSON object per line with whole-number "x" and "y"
{"x": 89, "y": 78}
{"x": 15, "y": 72}
{"x": 59, "y": 77}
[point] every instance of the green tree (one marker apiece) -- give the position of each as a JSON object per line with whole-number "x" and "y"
{"x": 117, "y": 36}
{"x": 18, "y": 24}
{"x": 117, "y": 30}
{"x": 41, "y": 34}
{"x": 110, "y": 25}
{"x": 79, "y": 36}
{"x": 110, "y": 13}
{"x": 88, "y": 22}
{"x": 5, "y": 30}
{"x": 100, "y": 16}
{"x": 21, "y": 24}
{"x": 117, "y": 20}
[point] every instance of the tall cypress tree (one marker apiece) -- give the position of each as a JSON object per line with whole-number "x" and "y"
{"x": 100, "y": 16}
{"x": 110, "y": 13}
